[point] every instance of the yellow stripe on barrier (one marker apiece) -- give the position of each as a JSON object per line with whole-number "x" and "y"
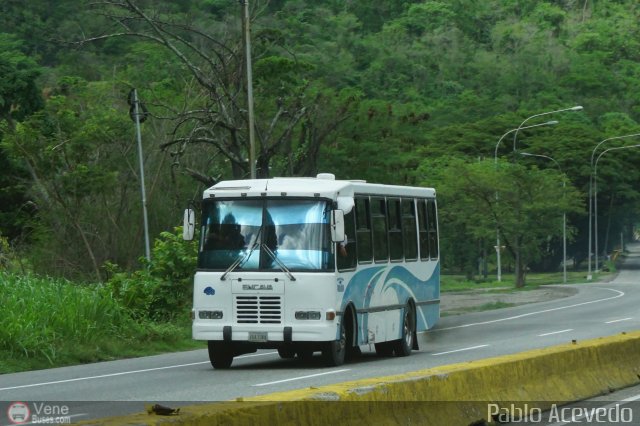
{"x": 456, "y": 394}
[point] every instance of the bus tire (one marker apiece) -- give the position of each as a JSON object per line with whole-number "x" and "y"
{"x": 384, "y": 349}
{"x": 352, "y": 349}
{"x": 220, "y": 354}
{"x": 304, "y": 354}
{"x": 404, "y": 346}
{"x": 334, "y": 351}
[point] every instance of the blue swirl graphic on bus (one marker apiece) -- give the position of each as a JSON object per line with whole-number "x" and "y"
{"x": 396, "y": 287}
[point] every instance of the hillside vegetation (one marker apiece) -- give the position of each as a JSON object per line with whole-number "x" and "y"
{"x": 392, "y": 91}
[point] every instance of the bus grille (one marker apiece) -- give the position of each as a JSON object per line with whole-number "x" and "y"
{"x": 258, "y": 310}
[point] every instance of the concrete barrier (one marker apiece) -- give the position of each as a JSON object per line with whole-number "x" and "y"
{"x": 456, "y": 394}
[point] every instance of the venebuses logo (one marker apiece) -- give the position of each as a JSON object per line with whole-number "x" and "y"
{"x": 18, "y": 413}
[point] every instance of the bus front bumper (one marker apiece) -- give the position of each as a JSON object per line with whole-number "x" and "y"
{"x": 324, "y": 331}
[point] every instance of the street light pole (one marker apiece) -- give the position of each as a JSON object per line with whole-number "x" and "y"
{"x": 589, "y": 276}
{"x": 564, "y": 214}
{"x": 247, "y": 42}
{"x": 137, "y": 113}
{"x": 595, "y": 187}
{"x": 515, "y": 136}
{"x": 495, "y": 160}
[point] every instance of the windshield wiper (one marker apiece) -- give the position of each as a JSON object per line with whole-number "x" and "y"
{"x": 282, "y": 266}
{"x": 234, "y": 265}
{"x": 242, "y": 259}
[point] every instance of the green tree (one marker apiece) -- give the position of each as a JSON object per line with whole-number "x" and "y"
{"x": 524, "y": 205}
{"x": 19, "y": 97}
{"x": 81, "y": 165}
{"x": 215, "y": 120}
{"x": 19, "y": 92}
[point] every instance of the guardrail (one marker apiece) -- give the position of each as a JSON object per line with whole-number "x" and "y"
{"x": 458, "y": 394}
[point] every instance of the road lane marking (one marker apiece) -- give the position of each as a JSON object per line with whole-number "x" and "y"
{"x": 122, "y": 373}
{"x": 528, "y": 314}
{"x": 618, "y": 320}
{"x": 303, "y": 377}
{"x": 555, "y": 332}
{"x": 631, "y": 398}
{"x": 460, "y": 350}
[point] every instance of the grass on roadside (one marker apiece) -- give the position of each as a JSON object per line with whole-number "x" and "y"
{"x": 481, "y": 308}
{"x": 533, "y": 280}
{"x": 51, "y": 322}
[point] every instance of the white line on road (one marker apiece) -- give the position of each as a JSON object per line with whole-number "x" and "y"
{"x": 528, "y": 314}
{"x": 303, "y": 377}
{"x": 460, "y": 350}
{"x": 555, "y": 332}
{"x": 123, "y": 373}
{"x": 618, "y": 320}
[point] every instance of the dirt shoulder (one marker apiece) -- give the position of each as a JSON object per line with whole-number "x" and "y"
{"x": 455, "y": 303}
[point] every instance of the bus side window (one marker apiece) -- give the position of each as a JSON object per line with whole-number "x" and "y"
{"x": 409, "y": 229}
{"x": 379, "y": 222}
{"x": 363, "y": 230}
{"x": 396, "y": 250}
{"x": 346, "y": 251}
{"x": 432, "y": 228}
{"x": 422, "y": 229}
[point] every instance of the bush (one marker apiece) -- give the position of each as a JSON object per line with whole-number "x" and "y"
{"x": 163, "y": 289}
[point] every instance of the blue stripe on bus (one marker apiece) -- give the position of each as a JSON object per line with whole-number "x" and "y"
{"x": 404, "y": 284}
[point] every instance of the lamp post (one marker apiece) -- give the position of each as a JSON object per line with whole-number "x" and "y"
{"x": 138, "y": 115}
{"x": 595, "y": 189}
{"x": 515, "y": 136}
{"x": 247, "y": 43}
{"x": 564, "y": 214}
{"x": 591, "y": 195}
{"x": 495, "y": 160}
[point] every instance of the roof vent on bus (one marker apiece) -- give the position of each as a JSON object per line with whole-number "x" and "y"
{"x": 326, "y": 176}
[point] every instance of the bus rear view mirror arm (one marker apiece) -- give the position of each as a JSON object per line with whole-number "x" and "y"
{"x": 189, "y": 224}
{"x": 337, "y": 226}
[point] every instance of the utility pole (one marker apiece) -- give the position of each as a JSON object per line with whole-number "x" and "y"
{"x": 247, "y": 43}
{"x": 136, "y": 109}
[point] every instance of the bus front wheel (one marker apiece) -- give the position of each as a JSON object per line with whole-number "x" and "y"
{"x": 404, "y": 346}
{"x": 334, "y": 352}
{"x": 220, "y": 354}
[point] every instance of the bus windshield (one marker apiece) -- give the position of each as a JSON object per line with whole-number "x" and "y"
{"x": 295, "y": 231}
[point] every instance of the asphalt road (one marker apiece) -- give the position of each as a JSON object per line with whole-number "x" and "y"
{"x": 118, "y": 387}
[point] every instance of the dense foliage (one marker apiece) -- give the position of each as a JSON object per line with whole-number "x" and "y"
{"x": 56, "y": 322}
{"x": 387, "y": 91}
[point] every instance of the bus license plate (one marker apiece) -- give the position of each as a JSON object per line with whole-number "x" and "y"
{"x": 257, "y": 336}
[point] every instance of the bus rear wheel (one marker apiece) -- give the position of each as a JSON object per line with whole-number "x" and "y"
{"x": 404, "y": 346}
{"x": 384, "y": 349}
{"x": 220, "y": 354}
{"x": 304, "y": 354}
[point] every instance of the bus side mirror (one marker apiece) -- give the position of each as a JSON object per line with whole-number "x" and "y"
{"x": 337, "y": 226}
{"x": 189, "y": 224}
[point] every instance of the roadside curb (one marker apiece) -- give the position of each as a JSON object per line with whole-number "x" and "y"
{"x": 456, "y": 394}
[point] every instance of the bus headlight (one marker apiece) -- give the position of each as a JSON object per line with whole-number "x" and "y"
{"x": 308, "y": 315}
{"x": 210, "y": 315}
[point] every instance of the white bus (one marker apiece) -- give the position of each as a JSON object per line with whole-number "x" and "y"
{"x": 314, "y": 264}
